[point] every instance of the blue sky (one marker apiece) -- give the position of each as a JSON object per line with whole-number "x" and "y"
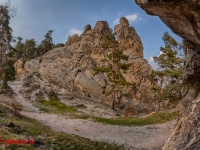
{"x": 66, "y": 17}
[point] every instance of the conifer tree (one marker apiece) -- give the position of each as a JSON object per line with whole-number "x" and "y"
{"x": 7, "y": 71}
{"x": 114, "y": 65}
{"x": 59, "y": 45}
{"x": 46, "y": 44}
{"x": 29, "y": 49}
{"x": 18, "y": 50}
{"x": 169, "y": 74}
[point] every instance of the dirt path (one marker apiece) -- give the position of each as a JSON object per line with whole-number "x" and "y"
{"x": 150, "y": 137}
{"x": 27, "y": 106}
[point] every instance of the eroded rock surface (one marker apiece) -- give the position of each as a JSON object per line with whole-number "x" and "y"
{"x": 128, "y": 38}
{"x": 183, "y": 17}
{"x": 186, "y": 135}
{"x": 71, "y": 67}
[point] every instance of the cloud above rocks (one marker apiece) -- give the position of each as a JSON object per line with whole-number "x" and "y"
{"x": 131, "y": 18}
{"x": 73, "y": 31}
{"x": 116, "y": 21}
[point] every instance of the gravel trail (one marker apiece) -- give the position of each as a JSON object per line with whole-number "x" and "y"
{"x": 151, "y": 137}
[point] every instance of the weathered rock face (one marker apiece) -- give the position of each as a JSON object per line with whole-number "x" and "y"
{"x": 71, "y": 66}
{"x": 186, "y": 135}
{"x": 183, "y": 17}
{"x": 19, "y": 69}
{"x": 128, "y": 38}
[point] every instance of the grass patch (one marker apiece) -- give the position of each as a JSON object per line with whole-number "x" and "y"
{"x": 55, "y": 105}
{"x": 20, "y": 147}
{"x": 130, "y": 121}
{"x": 49, "y": 138}
{"x": 64, "y": 141}
{"x": 28, "y": 125}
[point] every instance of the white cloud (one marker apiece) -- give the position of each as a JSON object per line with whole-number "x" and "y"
{"x": 151, "y": 59}
{"x": 161, "y": 53}
{"x": 75, "y": 31}
{"x": 152, "y": 63}
{"x": 116, "y": 21}
{"x": 132, "y": 17}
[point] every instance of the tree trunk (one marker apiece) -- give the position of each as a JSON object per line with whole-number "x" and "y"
{"x": 113, "y": 100}
{"x": 159, "y": 99}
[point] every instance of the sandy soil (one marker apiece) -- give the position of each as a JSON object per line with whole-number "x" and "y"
{"x": 151, "y": 137}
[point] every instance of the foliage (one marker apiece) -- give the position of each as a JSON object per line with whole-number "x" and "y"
{"x": 59, "y": 45}
{"x": 7, "y": 71}
{"x": 46, "y": 44}
{"x": 115, "y": 66}
{"x": 29, "y": 50}
{"x": 18, "y": 49}
{"x": 169, "y": 75}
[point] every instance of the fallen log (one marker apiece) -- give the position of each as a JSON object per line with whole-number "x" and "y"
{"x": 152, "y": 113}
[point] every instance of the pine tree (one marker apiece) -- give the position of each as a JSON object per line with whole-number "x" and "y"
{"x": 7, "y": 70}
{"x": 29, "y": 49}
{"x": 59, "y": 45}
{"x": 114, "y": 65}
{"x": 169, "y": 75}
{"x": 46, "y": 44}
{"x": 18, "y": 50}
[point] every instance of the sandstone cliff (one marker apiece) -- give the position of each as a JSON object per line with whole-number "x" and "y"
{"x": 183, "y": 17}
{"x": 70, "y": 67}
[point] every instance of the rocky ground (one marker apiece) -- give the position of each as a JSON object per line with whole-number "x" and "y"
{"x": 150, "y": 137}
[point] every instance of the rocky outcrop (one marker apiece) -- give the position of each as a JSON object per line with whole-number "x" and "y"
{"x": 186, "y": 135}
{"x": 71, "y": 67}
{"x": 183, "y": 17}
{"x": 18, "y": 68}
{"x": 128, "y": 38}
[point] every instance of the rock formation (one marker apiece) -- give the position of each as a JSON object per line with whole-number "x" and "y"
{"x": 70, "y": 67}
{"x": 128, "y": 38}
{"x": 183, "y": 17}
